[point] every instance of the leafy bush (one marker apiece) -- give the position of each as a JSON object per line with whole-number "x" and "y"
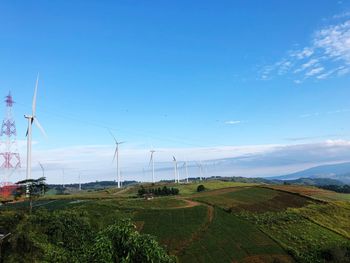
{"x": 67, "y": 236}
{"x": 200, "y": 188}
{"x": 122, "y": 243}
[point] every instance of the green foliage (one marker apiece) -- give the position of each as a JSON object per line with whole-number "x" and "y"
{"x": 303, "y": 239}
{"x": 336, "y": 254}
{"x": 36, "y": 187}
{"x": 200, "y": 188}
{"x": 121, "y": 243}
{"x": 337, "y": 188}
{"x": 335, "y": 216}
{"x": 32, "y": 188}
{"x": 67, "y": 236}
{"x": 164, "y": 191}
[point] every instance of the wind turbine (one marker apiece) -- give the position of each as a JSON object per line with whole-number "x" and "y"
{"x": 116, "y": 154}
{"x": 199, "y": 164}
{"x": 176, "y": 173}
{"x": 79, "y": 181}
{"x": 151, "y": 160}
{"x": 63, "y": 179}
{"x": 42, "y": 169}
{"x": 31, "y": 118}
{"x": 186, "y": 170}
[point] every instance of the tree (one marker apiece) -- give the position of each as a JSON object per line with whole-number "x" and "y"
{"x": 121, "y": 242}
{"x": 200, "y": 188}
{"x": 67, "y": 236}
{"x": 35, "y": 187}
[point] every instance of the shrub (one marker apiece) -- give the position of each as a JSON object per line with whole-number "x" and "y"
{"x": 67, "y": 236}
{"x": 200, "y": 188}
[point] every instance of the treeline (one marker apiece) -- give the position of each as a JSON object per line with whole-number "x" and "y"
{"x": 93, "y": 185}
{"x": 337, "y": 188}
{"x": 164, "y": 191}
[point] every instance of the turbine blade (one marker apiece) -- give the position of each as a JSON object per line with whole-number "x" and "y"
{"x": 112, "y": 136}
{"x": 37, "y": 123}
{"x": 150, "y": 160}
{"x": 27, "y": 132}
{"x": 174, "y": 159}
{"x": 34, "y": 97}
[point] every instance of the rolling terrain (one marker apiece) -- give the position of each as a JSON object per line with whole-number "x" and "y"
{"x": 228, "y": 222}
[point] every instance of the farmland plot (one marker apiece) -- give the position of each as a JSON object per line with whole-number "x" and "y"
{"x": 255, "y": 199}
{"x": 231, "y": 239}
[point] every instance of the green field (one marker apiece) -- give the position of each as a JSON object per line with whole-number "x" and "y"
{"x": 231, "y": 239}
{"x": 173, "y": 228}
{"x": 334, "y": 216}
{"x": 229, "y": 222}
{"x": 302, "y": 238}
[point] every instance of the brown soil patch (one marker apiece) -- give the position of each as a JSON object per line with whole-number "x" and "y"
{"x": 189, "y": 204}
{"x": 310, "y": 192}
{"x": 267, "y": 259}
{"x": 279, "y": 202}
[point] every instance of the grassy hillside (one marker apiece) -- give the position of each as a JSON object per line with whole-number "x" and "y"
{"x": 229, "y": 222}
{"x": 231, "y": 239}
{"x": 255, "y": 199}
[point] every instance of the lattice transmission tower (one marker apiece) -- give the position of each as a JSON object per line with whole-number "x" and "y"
{"x": 9, "y": 156}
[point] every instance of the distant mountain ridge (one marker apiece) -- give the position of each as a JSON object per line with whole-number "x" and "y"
{"x": 339, "y": 172}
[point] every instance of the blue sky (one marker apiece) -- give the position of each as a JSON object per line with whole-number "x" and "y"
{"x": 177, "y": 75}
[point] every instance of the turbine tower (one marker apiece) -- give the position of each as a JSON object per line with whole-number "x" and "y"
{"x": 63, "y": 184}
{"x": 10, "y": 156}
{"x": 199, "y": 164}
{"x": 116, "y": 154}
{"x": 176, "y": 173}
{"x": 186, "y": 170}
{"x": 151, "y": 161}
{"x": 43, "y": 171}
{"x": 79, "y": 181}
{"x": 31, "y": 118}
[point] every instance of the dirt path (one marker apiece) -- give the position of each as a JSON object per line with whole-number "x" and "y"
{"x": 189, "y": 204}
{"x": 202, "y": 230}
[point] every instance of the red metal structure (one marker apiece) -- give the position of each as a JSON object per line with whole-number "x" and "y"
{"x": 9, "y": 156}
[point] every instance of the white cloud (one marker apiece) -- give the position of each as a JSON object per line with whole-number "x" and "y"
{"x": 301, "y": 54}
{"x": 232, "y": 122}
{"x": 307, "y": 115}
{"x": 306, "y": 65}
{"x": 342, "y": 15}
{"x": 316, "y": 114}
{"x": 95, "y": 161}
{"x": 328, "y": 55}
{"x": 335, "y": 41}
{"x": 314, "y": 71}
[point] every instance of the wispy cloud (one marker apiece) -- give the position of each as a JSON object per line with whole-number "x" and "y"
{"x": 233, "y": 122}
{"x": 328, "y": 55}
{"x": 317, "y": 114}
